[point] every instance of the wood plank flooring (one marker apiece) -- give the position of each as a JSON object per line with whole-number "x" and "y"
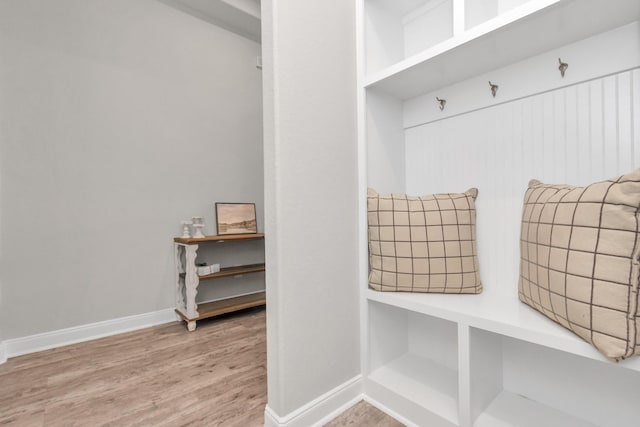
{"x": 160, "y": 376}
{"x": 363, "y": 414}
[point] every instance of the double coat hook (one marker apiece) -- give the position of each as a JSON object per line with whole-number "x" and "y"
{"x": 494, "y": 89}
{"x": 562, "y": 67}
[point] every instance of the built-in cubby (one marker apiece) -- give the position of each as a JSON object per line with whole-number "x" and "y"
{"x": 515, "y": 382}
{"x": 414, "y": 362}
{"x": 488, "y": 360}
{"x": 479, "y": 12}
{"x": 397, "y": 30}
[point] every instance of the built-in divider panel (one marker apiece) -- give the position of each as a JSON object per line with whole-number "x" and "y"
{"x": 485, "y": 350}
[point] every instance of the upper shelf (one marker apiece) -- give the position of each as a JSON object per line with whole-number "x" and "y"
{"x": 530, "y": 28}
{"x": 196, "y": 240}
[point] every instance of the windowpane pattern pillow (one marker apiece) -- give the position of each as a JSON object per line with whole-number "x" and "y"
{"x": 423, "y": 244}
{"x": 579, "y": 250}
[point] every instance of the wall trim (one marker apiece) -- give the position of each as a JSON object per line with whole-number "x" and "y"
{"x": 320, "y": 410}
{"x": 48, "y": 340}
{"x": 3, "y": 357}
{"x": 617, "y": 51}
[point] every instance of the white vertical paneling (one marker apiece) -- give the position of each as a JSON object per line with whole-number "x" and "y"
{"x": 635, "y": 112}
{"x": 610, "y": 146}
{"x": 498, "y": 165}
{"x": 583, "y": 118}
{"x": 571, "y": 139}
{"x": 559, "y": 128}
{"x": 575, "y": 135}
{"x": 516, "y": 143}
{"x": 546, "y": 139}
{"x": 624, "y": 115}
{"x": 527, "y": 138}
{"x": 595, "y": 123}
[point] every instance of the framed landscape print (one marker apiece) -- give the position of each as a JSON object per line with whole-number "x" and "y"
{"x": 236, "y": 218}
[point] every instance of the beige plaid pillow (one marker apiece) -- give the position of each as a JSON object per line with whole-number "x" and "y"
{"x": 423, "y": 244}
{"x": 579, "y": 251}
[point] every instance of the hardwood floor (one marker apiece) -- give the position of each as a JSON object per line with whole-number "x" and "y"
{"x": 363, "y": 414}
{"x": 160, "y": 376}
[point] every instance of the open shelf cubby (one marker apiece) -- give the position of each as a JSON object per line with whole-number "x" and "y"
{"x": 478, "y": 12}
{"x": 517, "y": 383}
{"x": 399, "y": 29}
{"x": 413, "y": 361}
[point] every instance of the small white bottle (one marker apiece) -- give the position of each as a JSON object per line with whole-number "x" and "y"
{"x": 185, "y": 229}
{"x": 198, "y": 226}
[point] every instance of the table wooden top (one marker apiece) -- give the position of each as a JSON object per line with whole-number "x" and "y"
{"x": 220, "y": 238}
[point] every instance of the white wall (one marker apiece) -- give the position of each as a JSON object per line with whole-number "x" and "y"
{"x": 118, "y": 119}
{"x": 311, "y": 199}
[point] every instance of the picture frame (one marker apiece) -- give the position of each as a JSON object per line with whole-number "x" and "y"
{"x": 236, "y": 218}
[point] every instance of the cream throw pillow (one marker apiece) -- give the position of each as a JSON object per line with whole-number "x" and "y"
{"x": 423, "y": 244}
{"x": 579, "y": 263}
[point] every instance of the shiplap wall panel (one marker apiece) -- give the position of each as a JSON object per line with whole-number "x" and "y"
{"x": 623, "y": 108}
{"x": 575, "y": 135}
{"x": 634, "y": 99}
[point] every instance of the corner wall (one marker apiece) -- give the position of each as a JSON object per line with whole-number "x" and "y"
{"x": 118, "y": 119}
{"x": 311, "y": 203}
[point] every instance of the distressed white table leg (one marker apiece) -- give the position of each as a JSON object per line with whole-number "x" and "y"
{"x": 180, "y": 286}
{"x": 191, "y": 282}
{"x": 191, "y": 325}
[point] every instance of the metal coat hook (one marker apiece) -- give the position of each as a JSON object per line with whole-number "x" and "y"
{"x": 442, "y": 103}
{"x": 563, "y": 67}
{"x": 494, "y": 89}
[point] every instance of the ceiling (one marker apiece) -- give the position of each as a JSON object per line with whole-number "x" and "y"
{"x": 239, "y": 16}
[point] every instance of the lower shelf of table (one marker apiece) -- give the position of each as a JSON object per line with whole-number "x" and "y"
{"x": 228, "y": 305}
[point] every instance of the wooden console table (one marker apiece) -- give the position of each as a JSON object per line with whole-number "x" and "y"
{"x": 187, "y": 280}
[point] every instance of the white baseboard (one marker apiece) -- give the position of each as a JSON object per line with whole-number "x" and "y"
{"x": 3, "y": 357}
{"x": 33, "y": 343}
{"x": 320, "y": 410}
